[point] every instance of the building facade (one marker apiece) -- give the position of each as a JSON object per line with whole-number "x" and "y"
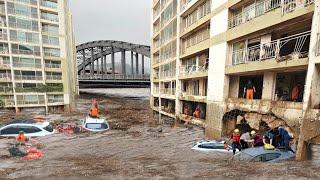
{"x": 205, "y": 53}
{"x": 37, "y": 55}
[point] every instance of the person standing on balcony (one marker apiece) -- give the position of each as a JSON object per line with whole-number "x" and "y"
{"x": 249, "y": 90}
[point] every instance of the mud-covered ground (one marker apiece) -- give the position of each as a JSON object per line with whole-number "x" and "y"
{"x": 136, "y": 148}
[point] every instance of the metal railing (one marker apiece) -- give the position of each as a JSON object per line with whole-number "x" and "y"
{"x": 195, "y": 39}
{"x": 27, "y": 77}
{"x": 49, "y": 4}
{"x": 4, "y": 76}
{"x": 26, "y": 52}
{"x": 253, "y": 11}
{"x": 6, "y": 89}
{"x": 2, "y": 10}
{"x": 54, "y": 77}
{"x": 55, "y": 100}
{"x": 168, "y": 91}
{"x": 4, "y": 51}
{"x": 3, "y": 37}
{"x": 295, "y": 47}
{"x": 8, "y": 102}
{"x": 167, "y": 74}
{"x": 14, "y": 11}
{"x": 116, "y": 77}
{"x": 51, "y": 54}
{"x": 263, "y": 7}
{"x": 26, "y": 65}
{"x": 193, "y": 69}
{"x": 3, "y": 65}
{"x": 291, "y": 5}
{"x": 30, "y": 102}
{"x": 50, "y": 18}
{"x": 53, "y": 66}
{"x": 184, "y": 4}
{"x": 24, "y": 26}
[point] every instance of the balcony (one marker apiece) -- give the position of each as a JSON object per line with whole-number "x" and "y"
{"x": 5, "y": 77}
{"x": 26, "y": 52}
{"x": 33, "y": 27}
{"x": 55, "y": 100}
{"x": 53, "y": 66}
{"x": 28, "y": 77}
{"x": 193, "y": 71}
{"x": 51, "y": 54}
{"x": 168, "y": 91}
{"x": 54, "y": 77}
{"x": 30, "y": 102}
{"x": 2, "y": 9}
{"x": 4, "y": 37}
{"x": 6, "y": 90}
{"x": 8, "y": 102}
{"x": 4, "y": 51}
{"x": 288, "y": 48}
{"x": 26, "y": 65}
{"x": 184, "y": 4}
{"x": 52, "y": 18}
{"x": 49, "y": 4}
{"x": 167, "y": 75}
{"x": 26, "y": 12}
{"x": 260, "y": 8}
{"x": 195, "y": 39}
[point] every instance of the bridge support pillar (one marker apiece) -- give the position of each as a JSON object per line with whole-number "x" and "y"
{"x": 92, "y": 64}
{"x": 112, "y": 62}
{"x": 123, "y": 62}
{"x": 83, "y": 62}
{"x": 137, "y": 64}
{"x": 142, "y": 64}
{"x": 102, "y": 61}
{"x": 132, "y": 67}
{"x": 105, "y": 64}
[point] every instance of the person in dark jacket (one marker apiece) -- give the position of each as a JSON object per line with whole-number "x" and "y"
{"x": 285, "y": 139}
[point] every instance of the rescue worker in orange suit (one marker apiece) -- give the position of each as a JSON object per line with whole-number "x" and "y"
{"x": 295, "y": 92}
{"x": 249, "y": 90}
{"x": 21, "y": 138}
{"x": 235, "y": 140}
{"x": 197, "y": 112}
{"x": 94, "y": 109}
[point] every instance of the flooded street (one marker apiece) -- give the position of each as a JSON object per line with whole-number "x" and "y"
{"x": 136, "y": 147}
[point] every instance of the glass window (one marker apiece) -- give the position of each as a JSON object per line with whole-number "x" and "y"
{"x": 29, "y": 129}
{"x": 96, "y": 126}
{"x": 10, "y": 130}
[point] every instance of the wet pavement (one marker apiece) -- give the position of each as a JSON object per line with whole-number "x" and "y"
{"x": 136, "y": 148}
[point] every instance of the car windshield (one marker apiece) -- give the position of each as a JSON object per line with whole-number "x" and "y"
{"x": 97, "y": 126}
{"x": 48, "y": 128}
{"x": 242, "y": 157}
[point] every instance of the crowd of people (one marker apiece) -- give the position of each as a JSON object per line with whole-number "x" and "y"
{"x": 272, "y": 138}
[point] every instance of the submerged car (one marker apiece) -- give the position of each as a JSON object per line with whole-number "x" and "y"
{"x": 30, "y": 128}
{"x": 95, "y": 124}
{"x": 259, "y": 154}
{"x": 213, "y": 145}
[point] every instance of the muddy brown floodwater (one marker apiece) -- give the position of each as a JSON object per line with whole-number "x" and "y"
{"x": 136, "y": 148}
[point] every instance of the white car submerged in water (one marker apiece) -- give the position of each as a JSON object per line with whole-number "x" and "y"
{"x": 95, "y": 124}
{"x": 30, "y": 128}
{"x": 212, "y": 146}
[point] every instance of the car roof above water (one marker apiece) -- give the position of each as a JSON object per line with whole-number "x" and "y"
{"x": 27, "y": 122}
{"x": 259, "y": 150}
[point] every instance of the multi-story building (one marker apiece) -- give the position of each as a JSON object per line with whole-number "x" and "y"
{"x": 205, "y": 52}
{"x": 37, "y": 55}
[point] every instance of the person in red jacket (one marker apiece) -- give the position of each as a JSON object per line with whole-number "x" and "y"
{"x": 235, "y": 140}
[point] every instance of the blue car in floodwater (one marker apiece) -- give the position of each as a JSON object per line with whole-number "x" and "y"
{"x": 259, "y": 154}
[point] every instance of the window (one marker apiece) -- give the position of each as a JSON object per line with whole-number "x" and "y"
{"x": 10, "y": 130}
{"x": 48, "y": 128}
{"x": 29, "y": 129}
{"x": 259, "y": 158}
{"x": 211, "y": 146}
{"x": 96, "y": 126}
{"x": 272, "y": 156}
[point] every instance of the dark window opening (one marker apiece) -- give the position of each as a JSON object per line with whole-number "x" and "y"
{"x": 168, "y": 106}
{"x": 290, "y": 86}
{"x": 257, "y": 82}
{"x": 195, "y": 109}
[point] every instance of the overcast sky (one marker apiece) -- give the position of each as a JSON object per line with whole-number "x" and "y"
{"x": 123, "y": 20}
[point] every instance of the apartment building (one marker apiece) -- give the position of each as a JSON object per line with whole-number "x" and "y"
{"x": 205, "y": 52}
{"x": 37, "y": 55}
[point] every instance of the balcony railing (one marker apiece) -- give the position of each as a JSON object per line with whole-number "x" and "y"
{"x": 55, "y": 100}
{"x": 50, "y": 18}
{"x": 190, "y": 70}
{"x": 8, "y": 102}
{"x": 33, "y": 27}
{"x": 51, "y": 54}
{"x": 30, "y": 102}
{"x": 2, "y": 10}
{"x": 28, "y": 77}
{"x": 27, "y": 13}
{"x": 49, "y": 4}
{"x": 6, "y": 90}
{"x": 3, "y": 37}
{"x": 4, "y": 51}
{"x": 4, "y": 65}
{"x": 26, "y": 65}
{"x": 294, "y": 47}
{"x": 263, "y": 7}
{"x": 54, "y": 77}
{"x": 184, "y": 4}
{"x": 167, "y": 74}
{"x": 4, "y": 76}
{"x": 195, "y": 39}
{"x": 168, "y": 91}
{"x": 53, "y": 66}
{"x": 26, "y": 52}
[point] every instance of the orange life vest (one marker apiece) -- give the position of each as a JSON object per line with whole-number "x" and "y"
{"x": 94, "y": 112}
{"x": 21, "y": 138}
